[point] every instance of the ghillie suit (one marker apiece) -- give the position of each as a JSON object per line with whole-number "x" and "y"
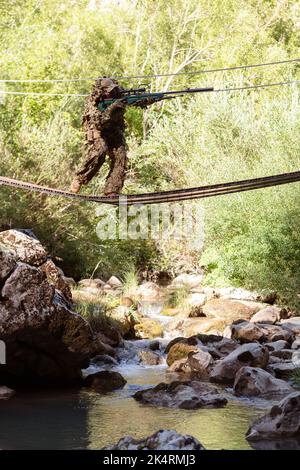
{"x": 104, "y": 135}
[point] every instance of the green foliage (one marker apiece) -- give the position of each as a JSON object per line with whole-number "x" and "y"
{"x": 178, "y": 298}
{"x": 251, "y": 238}
{"x": 130, "y": 281}
{"x": 296, "y": 378}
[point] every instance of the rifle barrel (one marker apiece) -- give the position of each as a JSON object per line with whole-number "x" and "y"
{"x": 188, "y": 90}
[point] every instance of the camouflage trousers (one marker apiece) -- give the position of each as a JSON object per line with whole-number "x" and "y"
{"x": 96, "y": 150}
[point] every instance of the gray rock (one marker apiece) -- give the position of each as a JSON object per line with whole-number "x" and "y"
{"x": 250, "y": 354}
{"x": 226, "y": 346}
{"x": 154, "y": 345}
{"x": 251, "y": 381}
{"x": 196, "y": 299}
{"x": 104, "y": 359}
{"x": 245, "y": 332}
{"x": 277, "y": 345}
{"x": 149, "y": 291}
{"x": 296, "y": 343}
{"x": 188, "y": 281}
{"x": 104, "y": 381}
{"x": 283, "y": 420}
{"x": 45, "y": 340}
{"x": 278, "y": 333}
{"x": 181, "y": 366}
{"x": 283, "y": 370}
{"x": 161, "y": 440}
{"x": 230, "y": 310}
{"x": 150, "y": 358}
{"x": 26, "y": 248}
{"x": 200, "y": 362}
{"x": 93, "y": 283}
{"x": 189, "y": 395}
{"x": 7, "y": 261}
{"x": 276, "y": 444}
{"x": 269, "y": 315}
{"x": 114, "y": 282}
{"x": 284, "y": 354}
{"x": 292, "y": 325}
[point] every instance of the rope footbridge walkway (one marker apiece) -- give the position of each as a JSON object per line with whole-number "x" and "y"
{"x": 163, "y": 196}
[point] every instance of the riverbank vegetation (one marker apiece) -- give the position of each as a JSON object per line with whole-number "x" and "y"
{"x": 251, "y": 239}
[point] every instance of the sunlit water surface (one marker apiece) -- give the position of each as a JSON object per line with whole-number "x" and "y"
{"x": 84, "y": 419}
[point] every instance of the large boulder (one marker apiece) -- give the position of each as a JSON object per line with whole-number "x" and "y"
{"x": 45, "y": 340}
{"x": 252, "y": 381}
{"x": 247, "y": 332}
{"x": 201, "y": 325}
{"x": 230, "y": 310}
{"x": 189, "y": 395}
{"x": 161, "y": 440}
{"x": 25, "y": 246}
{"x": 283, "y": 421}
{"x": 250, "y": 354}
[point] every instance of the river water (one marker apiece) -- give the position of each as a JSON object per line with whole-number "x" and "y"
{"x": 84, "y": 419}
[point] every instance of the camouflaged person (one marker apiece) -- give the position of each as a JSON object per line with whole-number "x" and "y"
{"x": 104, "y": 135}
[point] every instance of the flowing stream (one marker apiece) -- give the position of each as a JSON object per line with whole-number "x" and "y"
{"x": 84, "y": 419}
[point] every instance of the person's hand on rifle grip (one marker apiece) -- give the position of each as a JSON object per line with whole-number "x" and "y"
{"x": 145, "y": 102}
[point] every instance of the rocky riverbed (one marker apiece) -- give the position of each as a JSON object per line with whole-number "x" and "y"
{"x": 217, "y": 369}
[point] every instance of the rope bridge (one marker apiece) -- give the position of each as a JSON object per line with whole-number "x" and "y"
{"x": 176, "y": 195}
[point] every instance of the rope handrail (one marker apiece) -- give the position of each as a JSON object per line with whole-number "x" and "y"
{"x": 135, "y": 77}
{"x": 218, "y": 90}
{"x": 163, "y": 196}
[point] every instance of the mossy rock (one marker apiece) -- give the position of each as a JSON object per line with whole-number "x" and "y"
{"x": 179, "y": 351}
{"x": 148, "y": 329}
